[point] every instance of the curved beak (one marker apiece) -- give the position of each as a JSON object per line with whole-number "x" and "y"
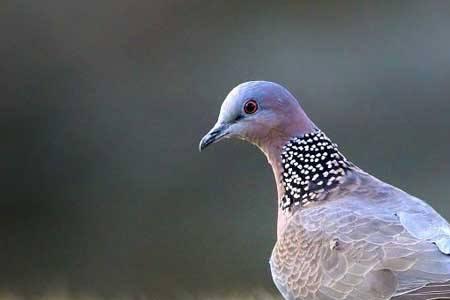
{"x": 217, "y": 133}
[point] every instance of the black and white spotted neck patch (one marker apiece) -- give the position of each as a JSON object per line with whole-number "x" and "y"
{"x": 311, "y": 164}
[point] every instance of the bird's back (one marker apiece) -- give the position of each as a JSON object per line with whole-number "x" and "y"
{"x": 371, "y": 241}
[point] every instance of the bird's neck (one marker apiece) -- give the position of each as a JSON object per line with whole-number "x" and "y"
{"x": 305, "y": 167}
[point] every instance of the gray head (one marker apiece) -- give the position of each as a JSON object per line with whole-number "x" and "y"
{"x": 259, "y": 112}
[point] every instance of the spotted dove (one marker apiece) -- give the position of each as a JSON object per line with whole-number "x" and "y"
{"x": 341, "y": 232}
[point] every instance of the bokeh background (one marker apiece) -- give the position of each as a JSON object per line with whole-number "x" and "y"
{"x": 103, "y": 103}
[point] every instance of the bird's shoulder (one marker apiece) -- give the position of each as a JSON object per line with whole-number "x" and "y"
{"x": 370, "y": 196}
{"x": 362, "y": 195}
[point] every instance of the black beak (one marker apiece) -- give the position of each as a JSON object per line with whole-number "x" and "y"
{"x": 218, "y": 132}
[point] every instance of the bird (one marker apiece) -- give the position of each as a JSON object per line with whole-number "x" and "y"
{"x": 341, "y": 232}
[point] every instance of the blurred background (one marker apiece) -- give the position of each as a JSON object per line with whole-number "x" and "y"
{"x": 103, "y": 103}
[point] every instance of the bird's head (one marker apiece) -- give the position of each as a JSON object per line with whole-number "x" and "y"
{"x": 259, "y": 112}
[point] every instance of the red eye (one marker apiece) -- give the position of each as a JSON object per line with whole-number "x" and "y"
{"x": 250, "y": 107}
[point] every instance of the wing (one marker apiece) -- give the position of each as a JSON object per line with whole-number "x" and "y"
{"x": 344, "y": 251}
{"x": 432, "y": 291}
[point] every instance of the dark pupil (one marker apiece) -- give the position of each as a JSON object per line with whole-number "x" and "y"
{"x": 250, "y": 107}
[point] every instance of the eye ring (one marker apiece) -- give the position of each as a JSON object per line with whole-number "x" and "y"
{"x": 250, "y": 107}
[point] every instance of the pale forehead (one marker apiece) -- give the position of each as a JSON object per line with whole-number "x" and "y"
{"x": 237, "y": 96}
{"x": 256, "y": 89}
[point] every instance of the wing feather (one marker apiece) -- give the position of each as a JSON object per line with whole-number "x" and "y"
{"x": 337, "y": 253}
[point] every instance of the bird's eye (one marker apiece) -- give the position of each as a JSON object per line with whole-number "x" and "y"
{"x": 250, "y": 107}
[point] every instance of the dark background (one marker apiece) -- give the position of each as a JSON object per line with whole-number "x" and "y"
{"x": 103, "y": 103}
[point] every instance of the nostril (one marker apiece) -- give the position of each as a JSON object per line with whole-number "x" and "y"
{"x": 214, "y": 133}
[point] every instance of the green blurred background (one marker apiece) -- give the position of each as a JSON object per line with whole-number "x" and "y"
{"x": 103, "y": 103}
